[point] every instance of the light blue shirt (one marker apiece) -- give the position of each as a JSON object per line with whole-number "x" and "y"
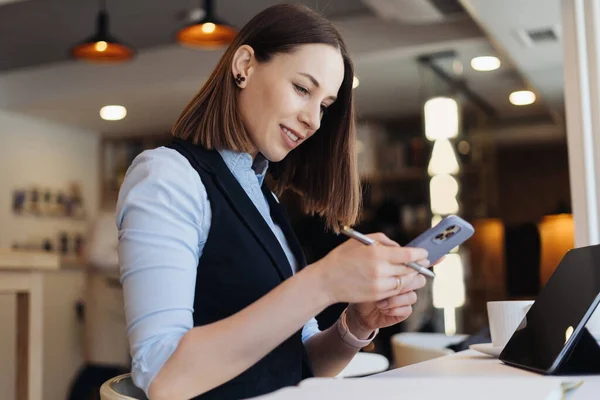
{"x": 164, "y": 216}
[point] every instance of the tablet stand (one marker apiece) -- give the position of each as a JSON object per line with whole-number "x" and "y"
{"x": 583, "y": 358}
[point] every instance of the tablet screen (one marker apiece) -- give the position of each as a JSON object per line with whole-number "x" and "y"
{"x": 559, "y": 313}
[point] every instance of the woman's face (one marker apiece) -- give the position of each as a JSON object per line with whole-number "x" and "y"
{"x": 282, "y": 100}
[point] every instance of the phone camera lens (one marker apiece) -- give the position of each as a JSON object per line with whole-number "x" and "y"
{"x": 451, "y": 228}
{"x": 439, "y": 236}
{"x": 449, "y": 235}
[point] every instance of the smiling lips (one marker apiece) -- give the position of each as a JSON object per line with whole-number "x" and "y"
{"x": 293, "y": 138}
{"x": 290, "y": 133}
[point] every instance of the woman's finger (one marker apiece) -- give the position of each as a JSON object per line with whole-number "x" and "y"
{"x": 414, "y": 282}
{"x": 394, "y": 270}
{"x": 398, "y": 285}
{"x": 403, "y": 312}
{"x": 424, "y": 263}
{"x": 392, "y": 284}
{"x": 404, "y": 299}
{"x": 402, "y": 255}
{"x": 411, "y": 281}
{"x": 381, "y": 238}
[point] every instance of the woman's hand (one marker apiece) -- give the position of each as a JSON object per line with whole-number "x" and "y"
{"x": 356, "y": 273}
{"x": 364, "y": 318}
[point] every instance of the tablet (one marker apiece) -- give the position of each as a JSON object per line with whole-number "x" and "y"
{"x": 554, "y": 327}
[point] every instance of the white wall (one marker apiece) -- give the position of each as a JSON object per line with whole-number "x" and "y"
{"x": 35, "y": 152}
{"x": 47, "y": 155}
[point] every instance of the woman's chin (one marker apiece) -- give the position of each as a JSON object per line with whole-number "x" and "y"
{"x": 275, "y": 155}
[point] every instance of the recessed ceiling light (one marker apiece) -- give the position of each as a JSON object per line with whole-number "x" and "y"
{"x": 522, "y": 97}
{"x": 355, "y": 82}
{"x": 113, "y": 113}
{"x": 485, "y": 63}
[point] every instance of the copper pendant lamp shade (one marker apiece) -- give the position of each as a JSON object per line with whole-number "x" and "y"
{"x": 102, "y": 47}
{"x": 208, "y": 32}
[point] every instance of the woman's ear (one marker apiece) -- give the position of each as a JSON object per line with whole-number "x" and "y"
{"x": 242, "y": 65}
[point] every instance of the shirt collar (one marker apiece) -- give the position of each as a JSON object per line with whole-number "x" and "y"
{"x": 240, "y": 163}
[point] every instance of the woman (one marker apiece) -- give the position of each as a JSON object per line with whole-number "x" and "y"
{"x": 216, "y": 288}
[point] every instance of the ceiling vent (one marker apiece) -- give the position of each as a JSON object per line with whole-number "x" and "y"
{"x": 539, "y": 36}
{"x": 448, "y": 7}
{"x": 415, "y": 11}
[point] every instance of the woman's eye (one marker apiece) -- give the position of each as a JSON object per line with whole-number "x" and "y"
{"x": 323, "y": 110}
{"x": 301, "y": 90}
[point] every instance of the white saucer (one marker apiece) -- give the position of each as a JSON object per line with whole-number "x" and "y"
{"x": 487, "y": 348}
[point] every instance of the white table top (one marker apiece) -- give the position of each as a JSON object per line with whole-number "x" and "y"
{"x": 473, "y": 364}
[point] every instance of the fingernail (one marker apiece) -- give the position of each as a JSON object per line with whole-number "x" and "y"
{"x": 424, "y": 263}
{"x": 382, "y": 304}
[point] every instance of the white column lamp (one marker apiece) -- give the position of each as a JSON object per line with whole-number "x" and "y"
{"x": 441, "y": 125}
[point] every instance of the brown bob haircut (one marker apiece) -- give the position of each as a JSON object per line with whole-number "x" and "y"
{"x": 323, "y": 170}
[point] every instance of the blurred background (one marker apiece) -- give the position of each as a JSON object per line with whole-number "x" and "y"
{"x": 461, "y": 111}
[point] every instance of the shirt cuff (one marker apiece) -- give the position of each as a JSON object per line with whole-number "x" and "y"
{"x": 349, "y": 338}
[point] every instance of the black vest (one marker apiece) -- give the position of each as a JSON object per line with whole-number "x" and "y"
{"x": 242, "y": 260}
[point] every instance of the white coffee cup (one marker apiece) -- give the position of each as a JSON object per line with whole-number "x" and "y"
{"x": 504, "y": 318}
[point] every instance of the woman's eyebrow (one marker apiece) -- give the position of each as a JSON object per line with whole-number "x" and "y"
{"x": 316, "y": 83}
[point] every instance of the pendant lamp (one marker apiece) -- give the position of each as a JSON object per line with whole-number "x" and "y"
{"x": 208, "y": 32}
{"x": 102, "y": 47}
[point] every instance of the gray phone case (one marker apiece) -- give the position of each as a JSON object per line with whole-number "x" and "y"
{"x": 440, "y": 239}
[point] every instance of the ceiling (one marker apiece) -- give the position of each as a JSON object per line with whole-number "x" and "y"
{"x": 37, "y": 78}
{"x": 51, "y": 27}
{"x": 541, "y": 64}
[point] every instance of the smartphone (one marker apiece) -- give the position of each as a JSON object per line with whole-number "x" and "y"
{"x": 450, "y": 232}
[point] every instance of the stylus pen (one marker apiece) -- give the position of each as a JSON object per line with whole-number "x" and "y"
{"x": 368, "y": 241}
